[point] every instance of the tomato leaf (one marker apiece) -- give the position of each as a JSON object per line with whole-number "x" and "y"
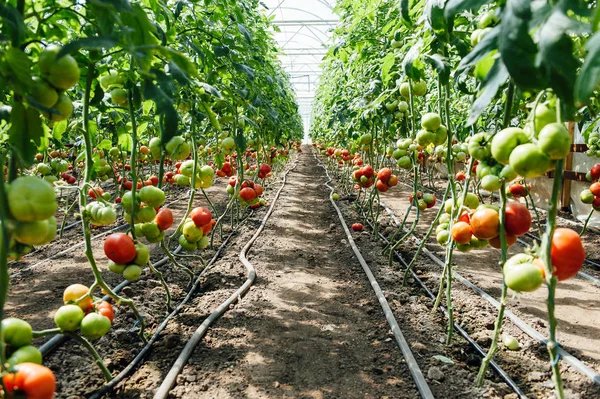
{"x": 25, "y": 132}
{"x": 516, "y": 46}
{"x": 495, "y": 78}
{"x": 410, "y": 59}
{"x": 20, "y": 65}
{"x": 244, "y": 31}
{"x": 556, "y": 57}
{"x": 13, "y": 22}
{"x": 589, "y": 76}
{"x": 386, "y": 65}
{"x": 88, "y": 43}
{"x": 211, "y": 89}
{"x": 165, "y": 107}
{"x": 439, "y": 64}
{"x": 454, "y": 7}
{"x": 403, "y": 6}
{"x": 246, "y": 70}
{"x": 59, "y": 129}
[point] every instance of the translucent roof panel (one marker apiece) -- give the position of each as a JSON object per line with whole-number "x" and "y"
{"x": 305, "y": 30}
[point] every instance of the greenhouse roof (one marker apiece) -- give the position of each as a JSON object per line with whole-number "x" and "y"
{"x": 305, "y": 27}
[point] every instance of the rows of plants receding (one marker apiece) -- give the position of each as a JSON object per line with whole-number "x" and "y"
{"x": 117, "y": 102}
{"x": 483, "y": 96}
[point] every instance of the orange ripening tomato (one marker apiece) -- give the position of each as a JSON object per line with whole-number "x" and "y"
{"x": 384, "y": 174}
{"x": 485, "y": 223}
{"x": 34, "y": 380}
{"x": 495, "y": 242}
{"x": 462, "y": 233}
{"x": 105, "y": 309}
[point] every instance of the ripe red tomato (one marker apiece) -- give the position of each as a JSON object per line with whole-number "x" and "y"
{"x": 258, "y": 189}
{"x": 460, "y": 176}
{"x": 202, "y": 216}
{"x": 119, "y": 248}
{"x": 247, "y": 194}
{"x": 384, "y": 174}
{"x": 232, "y": 181}
{"x": 381, "y": 186}
{"x": 357, "y": 226}
{"x": 485, "y": 223}
{"x": 34, "y": 380}
{"x": 164, "y": 219}
{"x": 595, "y": 172}
{"x": 264, "y": 168}
{"x": 462, "y": 233}
{"x": 154, "y": 180}
{"x": 518, "y": 219}
{"x": 517, "y": 190}
{"x": 595, "y": 189}
{"x": 368, "y": 171}
{"x": 464, "y": 217}
{"x": 568, "y": 253}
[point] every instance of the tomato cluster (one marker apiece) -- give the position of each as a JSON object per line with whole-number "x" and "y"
{"x": 363, "y": 176}
{"x": 385, "y": 180}
{"x": 433, "y": 131}
{"x": 592, "y": 195}
{"x": 57, "y": 76}
{"x": 424, "y": 201}
{"x": 249, "y": 194}
{"x": 79, "y": 312}
{"x": 196, "y": 228}
{"x": 125, "y": 256}
{"x": 32, "y": 204}
{"x": 184, "y": 171}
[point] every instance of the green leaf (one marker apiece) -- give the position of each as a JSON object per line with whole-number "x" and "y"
{"x": 210, "y": 89}
{"x": 20, "y": 65}
{"x": 105, "y": 145}
{"x": 556, "y": 56}
{"x": 246, "y": 70}
{"x": 404, "y": 12}
{"x": 454, "y": 7}
{"x": 13, "y": 22}
{"x": 386, "y": 65}
{"x": 164, "y": 107}
{"x": 245, "y": 33}
{"x": 487, "y": 44}
{"x": 410, "y": 59}
{"x": 25, "y": 133}
{"x": 88, "y": 43}
{"x": 516, "y": 46}
{"x": 220, "y": 51}
{"x": 495, "y": 78}
{"x": 240, "y": 140}
{"x": 589, "y": 76}
{"x": 125, "y": 141}
{"x": 439, "y": 64}
{"x": 59, "y": 129}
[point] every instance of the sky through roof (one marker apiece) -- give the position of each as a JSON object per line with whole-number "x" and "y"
{"x": 305, "y": 30}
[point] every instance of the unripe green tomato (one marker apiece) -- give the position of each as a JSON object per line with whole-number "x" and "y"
{"x": 132, "y": 272}
{"x": 30, "y": 199}
{"x": 185, "y": 244}
{"x": 94, "y": 326}
{"x": 25, "y": 354}
{"x": 145, "y": 214}
{"x": 142, "y": 254}
{"x": 442, "y": 237}
{"x": 335, "y": 196}
{"x": 68, "y": 317}
{"x": 16, "y": 332}
{"x": 115, "y": 267}
{"x": 510, "y": 342}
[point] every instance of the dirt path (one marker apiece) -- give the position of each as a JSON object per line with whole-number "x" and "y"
{"x": 311, "y": 326}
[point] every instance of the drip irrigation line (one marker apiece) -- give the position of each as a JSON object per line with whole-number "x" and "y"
{"x": 526, "y": 328}
{"x": 499, "y": 370}
{"x": 170, "y": 378}
{"x": 411, "y": 362}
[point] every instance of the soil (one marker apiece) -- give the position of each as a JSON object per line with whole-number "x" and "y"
{"x": 310, "y": 326}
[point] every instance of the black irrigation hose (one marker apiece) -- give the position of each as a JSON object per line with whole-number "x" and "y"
{"x": 144, "y": 351}
{"x": 522, "y": 325}
{"x": 409, "y": 358}
{"x": 503, "y": 375}
{"x": 185, "y": 354}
